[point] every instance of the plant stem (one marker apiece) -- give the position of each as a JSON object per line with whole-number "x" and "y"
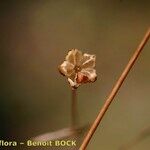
{"x": 74, "y": 112}
{"x": 114, "y": 91}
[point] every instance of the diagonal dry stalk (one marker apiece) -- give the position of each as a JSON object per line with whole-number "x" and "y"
{"x": 114, "y": 91}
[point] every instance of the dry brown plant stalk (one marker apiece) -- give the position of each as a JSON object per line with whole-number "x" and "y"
{"x": 114, "y": 91}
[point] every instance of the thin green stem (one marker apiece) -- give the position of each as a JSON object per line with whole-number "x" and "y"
{"x": 74, "y": 111}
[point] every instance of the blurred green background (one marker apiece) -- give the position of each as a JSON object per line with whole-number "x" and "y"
{"x": 36, "y": 36}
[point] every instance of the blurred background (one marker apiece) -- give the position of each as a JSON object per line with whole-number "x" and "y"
{"x": 35, "y": 98}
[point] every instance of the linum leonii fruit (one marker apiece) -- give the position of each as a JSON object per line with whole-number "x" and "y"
{"x": 78, "y": 67}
